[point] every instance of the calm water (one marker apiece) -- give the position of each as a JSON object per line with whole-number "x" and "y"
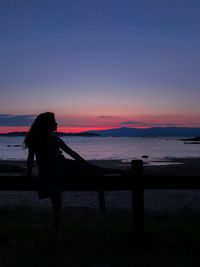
{"x": 126, "y": 148}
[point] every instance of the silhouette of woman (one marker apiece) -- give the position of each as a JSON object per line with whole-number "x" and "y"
{"x": 54, "y": 168}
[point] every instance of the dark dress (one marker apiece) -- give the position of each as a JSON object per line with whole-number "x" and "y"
{"x": 54, "y": 168}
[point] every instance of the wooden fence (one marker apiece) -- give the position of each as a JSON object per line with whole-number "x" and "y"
{"x": 135, "y": 180}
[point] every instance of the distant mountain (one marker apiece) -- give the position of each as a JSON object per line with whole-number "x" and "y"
{"x": 87, "y": 134}
{"x": 154, "y": 131}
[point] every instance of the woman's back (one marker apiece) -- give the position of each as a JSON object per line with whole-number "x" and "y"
{"x": 49, "y": 156}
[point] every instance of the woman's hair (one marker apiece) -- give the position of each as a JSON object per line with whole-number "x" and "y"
{"x": 40, "y": 129}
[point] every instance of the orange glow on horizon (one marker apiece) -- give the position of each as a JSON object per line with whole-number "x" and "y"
{"x": 82, "y": 129}
{"x": 62, "y": 129}
{"x": 4, "y": 129}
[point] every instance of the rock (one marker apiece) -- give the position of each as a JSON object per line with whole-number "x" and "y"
{"x": 14, "y": 145}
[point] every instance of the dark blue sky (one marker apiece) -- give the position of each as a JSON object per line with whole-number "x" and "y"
{"x": 137, "y": 60}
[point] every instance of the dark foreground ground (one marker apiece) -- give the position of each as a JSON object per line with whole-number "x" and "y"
{"x": 94, "y": 239}
{"x": 90, "y": 238}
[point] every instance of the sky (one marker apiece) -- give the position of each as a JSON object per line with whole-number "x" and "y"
{"x": 100, "y": 64}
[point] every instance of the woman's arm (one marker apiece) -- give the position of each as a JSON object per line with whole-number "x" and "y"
{"x": 76, "y": 156}
{"x": 30, "y": 162}
{"x": 70, "y": 152}
{"x": 94, "y": 168}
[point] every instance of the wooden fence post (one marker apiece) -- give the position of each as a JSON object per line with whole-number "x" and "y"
{"x": 138, "y": 199}
{"x": 102, "y": 205}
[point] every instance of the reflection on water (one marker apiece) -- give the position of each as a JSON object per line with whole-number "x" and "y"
{"x": 163, "y": 163}
{"x": 154, "y": 162}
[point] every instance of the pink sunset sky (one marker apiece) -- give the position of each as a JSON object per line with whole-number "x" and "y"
{"x": 100, "y": 64}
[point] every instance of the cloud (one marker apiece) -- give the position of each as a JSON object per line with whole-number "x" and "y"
{"x": 104, "y": 117}
{"x": 16, "y": 120}
{"x": 136, "y": 123}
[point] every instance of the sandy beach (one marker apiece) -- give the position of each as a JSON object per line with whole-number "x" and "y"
{"x": 159, "y": 201}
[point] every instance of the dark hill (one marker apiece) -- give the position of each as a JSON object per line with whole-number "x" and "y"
{"x": 154, "y": 131}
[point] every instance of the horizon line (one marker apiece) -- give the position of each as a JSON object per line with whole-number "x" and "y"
{"x": 94, "y": 129}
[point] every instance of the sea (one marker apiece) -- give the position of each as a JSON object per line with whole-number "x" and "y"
{"x": 154, "y": 150}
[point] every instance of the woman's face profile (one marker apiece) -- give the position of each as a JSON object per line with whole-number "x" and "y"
{"x": 52, "y": 125}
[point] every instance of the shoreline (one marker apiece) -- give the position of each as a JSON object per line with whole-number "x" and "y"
{"x": 175, "y": 166}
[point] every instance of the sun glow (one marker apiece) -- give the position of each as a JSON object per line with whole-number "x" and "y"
{"x": 82, "y": 129}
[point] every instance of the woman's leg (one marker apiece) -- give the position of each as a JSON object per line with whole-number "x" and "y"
{"x": 57, "y": 214}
